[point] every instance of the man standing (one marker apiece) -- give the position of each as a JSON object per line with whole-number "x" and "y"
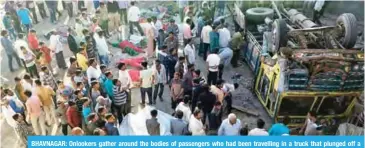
{"x": 69, "y": 8}
{"x": 173, "y": 28}
{"x": 236, "y": 44}
{"x": 93, "y": 71}
{"x": 146, "y": 80}
{"x": 9, "y": 25}
{"x": 196, "y": 126}
{"x": 184, "y": 108}
{"x": 207, "y": 100}
{"x": 172, "y": 42}
{"x": 205, "y": 38}
{"x": 103, "y": 22}
{"x": 34, "y": 108}
{"x": 92, "y": 123}
{"x": 46, "y": 95}
{"x": 25, "y": 17}
{"x": 213, "y": 61}
{"x": 189, "y": 51}
{"x": 259, "y": 131}
{"x": 47, "y": 78}
{"x": 224, "y": 36}
{"x": 114, "y": 17}
{"x": 157, "y": 25}
{"x": 126, "y": 82}
{"x": 52, "y": 7}
{"x": 133, "y": 18}
{"x": 120, "y": 100}
{"x": 160, "y": 80}
{"x": 10, "y": 50}
{"x": 19, "y": 90}
{"x": 230, "y": 126}
{"x": 22, "y": 129}
{"x": 33, "y": 40}
{"x": 179, "y": 127}
{"x": 31, "y": 7}
{"x": 73, "y": 116}
{"x": 310, "y": 125}
{"x": 214, "y": 39}
{"x": 177, "y": 90}
{"x": 280, "y": 129}
{"x": 41, "y": 9}
{"x": 123, "y": 6}
{"x": 153, "y": 127}
{"x": 72, "y": 43}
{"x": 102, "y": 47}
{"x": 110, "y": 125}
{"x": 187, "y": 31}
{"x": 215, "y": 118}
{"x": 30, "y": 62}
{"x": 57, "y": 48}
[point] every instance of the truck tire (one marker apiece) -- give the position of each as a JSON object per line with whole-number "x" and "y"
{"x": 279, "y": 35}
{"x": 258, "y": 15}
{"x": 347, "y": 21}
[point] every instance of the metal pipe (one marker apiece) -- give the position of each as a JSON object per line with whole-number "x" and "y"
{"x": 276, "y": 9}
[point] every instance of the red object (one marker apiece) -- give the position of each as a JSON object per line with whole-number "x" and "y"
{"x": 32, "y": 41}
{"x": 135, "y": 62}
{"x": 134, "y": 74}
{"x": 126, "y": 43}
{"x": 46, "y": 53}
{"x": 73, "y": 117}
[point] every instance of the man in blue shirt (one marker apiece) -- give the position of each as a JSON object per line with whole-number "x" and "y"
{"x": 9, "y": 50}
{"x": 25, "y": 17}
{"x": 108, "y": 85}
{"x": 280, "y": 129}
{"x": 109, "y": 125}
{"x": 8, "y": 24}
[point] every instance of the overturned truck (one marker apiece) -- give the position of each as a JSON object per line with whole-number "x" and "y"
{"x": 323, "y": 72}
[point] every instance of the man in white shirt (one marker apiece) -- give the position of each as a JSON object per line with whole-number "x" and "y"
{"x": 124, "y": 77}
{"x": 205, "y": 38}
{"x": 157, "y": 25}
{"x": 189, "y": 51}
{"x": 57, "y": 47}
{"x": 224, "y": 36}
{"x": 17, "y": 44}
{"x": 310, "y": 126}
{"x": 213, "y": 61}
{"x": 102, "y": 47}
{"x": 160, "y": 80}
{"x": 93, "y": 71}
{"x": 196, "y": 126}
{"x": 230, "y": 126}
{"x": 259, "y": 131}
{"x": 225, "y": 55}
{"x": 133, "y": 18}
{"x": 146, "y": 80}
{"x": 184, "y": 107}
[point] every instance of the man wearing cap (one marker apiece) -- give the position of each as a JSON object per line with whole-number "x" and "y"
{"x": 133, "y": 18}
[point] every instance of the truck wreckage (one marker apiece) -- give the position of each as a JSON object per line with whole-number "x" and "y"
{"x": 301, "y": 66}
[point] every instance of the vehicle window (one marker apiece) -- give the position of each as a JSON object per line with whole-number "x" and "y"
{"x": 264, "y": 87}
{"x": 335, "y": 105}
{"x": 295, "y": 106}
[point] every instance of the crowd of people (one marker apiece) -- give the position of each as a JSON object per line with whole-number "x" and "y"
{"x": 95, "y": 101}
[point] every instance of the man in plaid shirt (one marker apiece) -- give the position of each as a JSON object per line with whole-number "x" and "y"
{"x": 47, "y": 78}
{"x": 22, "y": 128}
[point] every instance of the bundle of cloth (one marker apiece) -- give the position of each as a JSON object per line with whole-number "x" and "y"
{"x": 134, "y": 73}
{"x": 128, "y": 47}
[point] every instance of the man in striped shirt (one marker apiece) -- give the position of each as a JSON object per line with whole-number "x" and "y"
{"x": 120, "y": 100}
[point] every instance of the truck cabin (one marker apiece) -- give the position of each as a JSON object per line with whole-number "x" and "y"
{"x": 301, "y": 66}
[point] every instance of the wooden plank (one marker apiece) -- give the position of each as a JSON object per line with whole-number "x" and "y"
{"x": 328, "y": 51}
{"x": 254, "y": 113}
{"x": 324, "y": 28}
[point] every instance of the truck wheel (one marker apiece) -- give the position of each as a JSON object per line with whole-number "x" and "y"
{"x": 279, "y": 35}
{"x": 258, "y": 15}
{"x": 348, "y": 36}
